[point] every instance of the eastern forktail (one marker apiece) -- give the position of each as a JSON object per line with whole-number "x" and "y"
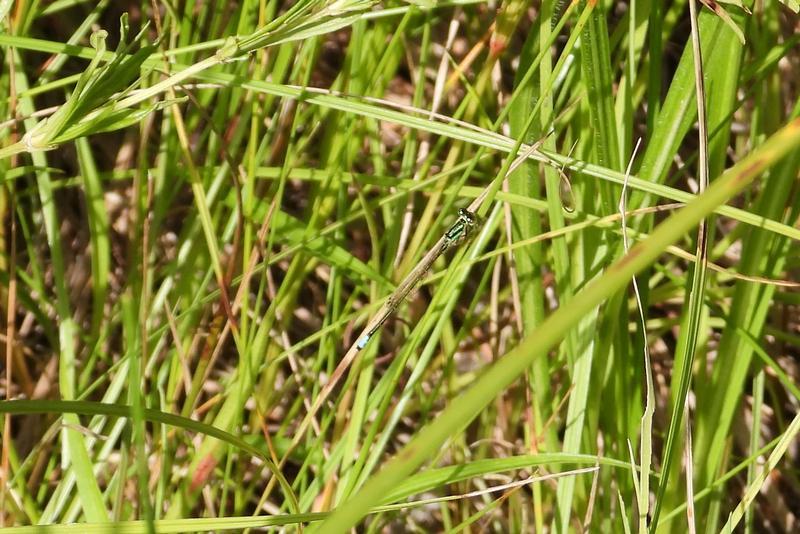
{"x": 457, "y": 233}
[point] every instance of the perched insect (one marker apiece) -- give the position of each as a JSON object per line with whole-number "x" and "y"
{"x": 455, "y": 235}
{"x": 464, "y": 225}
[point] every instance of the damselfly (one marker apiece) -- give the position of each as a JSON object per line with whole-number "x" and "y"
{"x": 465, "y": 223}
{"x": 457, "y": 233}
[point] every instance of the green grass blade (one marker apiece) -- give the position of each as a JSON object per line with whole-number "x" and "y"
{"x": 509, "y": 368}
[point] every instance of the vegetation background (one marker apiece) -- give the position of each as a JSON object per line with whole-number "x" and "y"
{"x": 203, "y": 204}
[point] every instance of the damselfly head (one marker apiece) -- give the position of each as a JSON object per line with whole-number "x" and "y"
{"x": 468, "y": 217}
{"x": 462, "y": 227}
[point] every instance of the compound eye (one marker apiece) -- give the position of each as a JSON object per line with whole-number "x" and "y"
{"x": 466, "y": 215}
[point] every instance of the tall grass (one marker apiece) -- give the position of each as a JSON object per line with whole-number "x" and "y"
{"x": 205, "y": 202}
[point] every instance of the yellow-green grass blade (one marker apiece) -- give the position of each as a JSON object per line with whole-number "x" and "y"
{"x": 536, "y": 345}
